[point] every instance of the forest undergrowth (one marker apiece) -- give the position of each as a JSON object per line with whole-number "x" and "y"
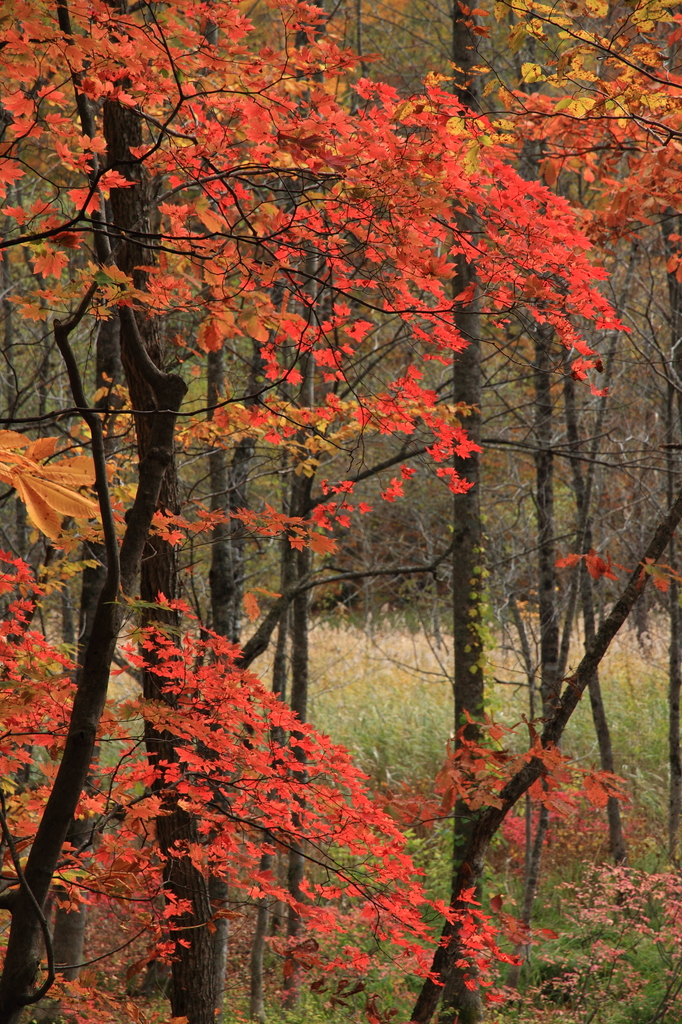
{"x": 617, "y": 951}
{"x": 607, "y": 942}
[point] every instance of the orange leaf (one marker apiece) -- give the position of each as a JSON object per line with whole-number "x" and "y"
{"x": 210, "y": 338}
{"x": 40, "y": 512}
{"x": 568, "y": 562}
{"x": 12, "y": 440}
{"x": 251, "y": 606}
{"x": 50, "y": 263}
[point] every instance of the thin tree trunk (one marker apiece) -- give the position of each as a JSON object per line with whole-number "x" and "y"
{"x": 68, "y": 932}
{"x": 68, "y": 938}
{"x": 548, "y": 613}
{"x": 68, "y": 941}
{"x": 583, "y": 490}
{"x": 256, "y": 993}
{"x": 223, "y": 621}
{"x": 533, "y": 850}
{"x": 674, "y": 666}
{"x": 229, "y": 492}
{"x": 220, "y": 572}
{"x": 298, "y": 701}
{"x": 530, "y": 885}
{"x": 544, "y": 497}
{"x": 673, "y": 415}
{"x": 22, "y": 958}
{"x": 674, "y": 689}
{"x": 279, "y": 687}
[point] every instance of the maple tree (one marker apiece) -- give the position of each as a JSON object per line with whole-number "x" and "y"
{"x": 162, "y": 172}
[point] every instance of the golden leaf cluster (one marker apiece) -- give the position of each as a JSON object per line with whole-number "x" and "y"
{"x": 50, "y": 490}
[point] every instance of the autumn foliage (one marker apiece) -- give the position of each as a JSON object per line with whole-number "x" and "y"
{"x": 167, "y": 170}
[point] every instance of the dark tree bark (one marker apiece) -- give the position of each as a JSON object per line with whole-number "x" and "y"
{"x": 194, "y": 983}
{"x": 68, "y": 941}
{"x": 298, "y": 701}
{"x": 256, "y": 994}
{"x": 223, "y": 621}
{"x": 460, "y": 1003}
{"x": 544, "y": 502}
{"x": 68, "y": 931}
{"x": 279, "y": 687}
{"x": 220, "y": 573}
{"x": 674, "y": 682}
{"x": 449, "y": 949}
{"x": 69, "y": 926}
{"x": 534, "y": 846}
{"x": 229, "y": 493}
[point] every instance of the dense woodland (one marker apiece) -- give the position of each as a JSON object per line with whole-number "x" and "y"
{"x": 340, "y": 441}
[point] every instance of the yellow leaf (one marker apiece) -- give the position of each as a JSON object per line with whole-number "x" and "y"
{"x": 532, "y": 73}
{"x": 456, "y": 126}
{"x": 404, "y": 110}
{"x": 517, "y": 36}
{"x": 471, "y": 161}
{"x": 214, "y": 222}
{"x": 254, "y": 328}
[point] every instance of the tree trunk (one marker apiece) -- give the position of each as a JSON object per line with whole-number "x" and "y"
{"x": 533, "y": 851}
{"x": 68, "y": 937}
{"x": 544, "y": 499}
{"x": 617, "y": 845}
{"x": 229, "y": 483}
{"x": 461, "y": 1003}
{"x": 279, "y": 687}
{"x": 548, "y": 612}
{"x": 68, "y": 931}
{"x": 530, "y": 885}
{"x": 674, "y": 688}
{"x": 674, "y": 667}
{"x": 256, "y": 994}
{"x": 673, "y": 224}
{"x": 229, "y": 492}
{"x": 583, "y": 491}
{"x": 193, "y": 976}
{"x": 298, "y": 701}
{"x": 68, "y": 941}
{"x": 223, "y": 622}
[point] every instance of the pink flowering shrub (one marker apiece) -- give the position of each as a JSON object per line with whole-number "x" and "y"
{"x": 618, "y": 956}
